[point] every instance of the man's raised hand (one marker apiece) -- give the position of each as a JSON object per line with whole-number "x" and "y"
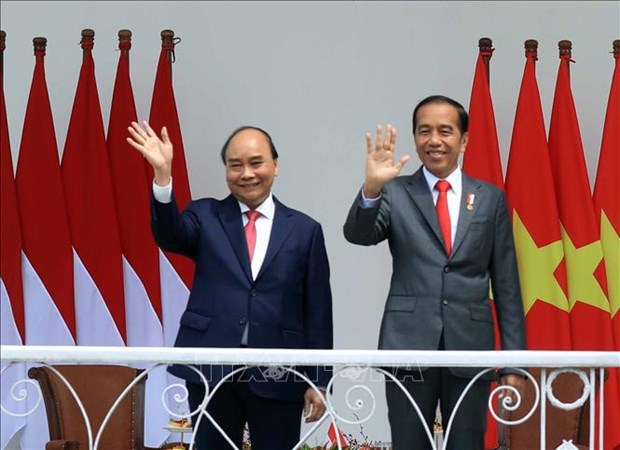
{"x": 158, "y": 152}
{"x": 380, "y": 164}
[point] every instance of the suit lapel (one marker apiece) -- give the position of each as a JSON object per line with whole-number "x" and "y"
{"x": 470, "y": 186}
{"x": 280, "y": 230}
{"x": 417, "y": 187}
{"x": 230, "y": 217}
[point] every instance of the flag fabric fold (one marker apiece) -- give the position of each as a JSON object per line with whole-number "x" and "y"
{"x": 536, "y": 226}
{"x": 47, "y": 259}
{"x": 12, "y": 330}
{"x": 140, "y": 253}
{"x": 587, "y": 287}
{"x": 100, "y": 305}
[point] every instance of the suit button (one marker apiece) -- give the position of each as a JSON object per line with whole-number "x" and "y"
{"x": 253, "y": 292}
{"x": 446, "y": 269}
{"x": 445, "y": 301}
{"x": 242, "y": 321}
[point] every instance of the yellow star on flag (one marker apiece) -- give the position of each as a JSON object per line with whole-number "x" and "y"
{"x": 611, "y": 252}
{"x": 580, "y": 266}
{"x": 536, "y": 268}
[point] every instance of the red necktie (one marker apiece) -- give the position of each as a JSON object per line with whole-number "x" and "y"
{"x": 250, "y": 231}
{"x": 443, "y": 214}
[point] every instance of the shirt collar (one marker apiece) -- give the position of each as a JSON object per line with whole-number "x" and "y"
{"x": 267, "y": 208}
{"x": 455, "y": 179}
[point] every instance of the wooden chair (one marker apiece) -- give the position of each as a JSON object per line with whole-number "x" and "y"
{"x": 560, "y": 424}
{"x": 98, "y": 387}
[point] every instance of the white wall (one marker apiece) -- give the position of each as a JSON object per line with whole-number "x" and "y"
{"x": 317, "y": 76}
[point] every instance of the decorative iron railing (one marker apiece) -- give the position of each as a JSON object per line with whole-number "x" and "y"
{"x": 347, "y": 364}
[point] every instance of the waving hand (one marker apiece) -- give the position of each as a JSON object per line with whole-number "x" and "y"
{"x": 158, "y": 152}
{"x": 380, "y": 164}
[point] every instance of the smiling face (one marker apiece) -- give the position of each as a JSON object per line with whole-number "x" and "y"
{"x": 438, "y": 138}
{"x": 250, "y": 167}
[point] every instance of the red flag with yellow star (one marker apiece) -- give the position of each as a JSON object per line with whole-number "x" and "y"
{"x": 606, "y": 189}
{"x": 535, "y": 220}
{"x": 587, "y": 286}
{"x": 482, "y": 160}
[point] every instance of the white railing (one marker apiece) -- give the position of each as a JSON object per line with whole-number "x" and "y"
{"x": 348, "y": 364}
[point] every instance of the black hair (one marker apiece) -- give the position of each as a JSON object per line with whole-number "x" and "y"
{"x": 463, "y": 116}
{"x": 274, "y": 152}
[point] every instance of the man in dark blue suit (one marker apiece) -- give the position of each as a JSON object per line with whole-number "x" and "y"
{"x": 261, "y": 281}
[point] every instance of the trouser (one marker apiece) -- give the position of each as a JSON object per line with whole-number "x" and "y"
{"x": 273, "y": 424}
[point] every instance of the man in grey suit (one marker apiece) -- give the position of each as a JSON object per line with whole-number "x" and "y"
{"x": 442, "y": 267}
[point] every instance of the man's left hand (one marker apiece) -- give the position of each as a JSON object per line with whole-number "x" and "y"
{"x": 314, "y": 405}
{"x": 516, "y": 381}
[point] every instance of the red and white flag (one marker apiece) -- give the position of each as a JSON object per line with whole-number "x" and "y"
{"x": 335, "y": 438}
{"x": 12, "y": 330}
{"x": 176, "y": 271}
{"x": 140, "y": 252}
{"x": 99, "y": 299}
{"x": 47, "y": 263}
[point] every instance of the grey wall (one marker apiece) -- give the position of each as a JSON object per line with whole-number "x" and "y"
{"x": 317, "y": 75}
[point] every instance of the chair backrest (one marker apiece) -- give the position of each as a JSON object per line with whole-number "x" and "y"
{"x": 560, "y": 424}
{"x": 98, "y": 387}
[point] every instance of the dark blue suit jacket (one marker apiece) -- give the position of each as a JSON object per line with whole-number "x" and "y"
{"x": 289, "y": 305}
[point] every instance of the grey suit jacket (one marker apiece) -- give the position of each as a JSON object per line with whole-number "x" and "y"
{"x": 431, "y": 291}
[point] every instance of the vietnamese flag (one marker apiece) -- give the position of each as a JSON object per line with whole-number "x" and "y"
{"x": 99, "y": 299}
{"x": 606, "y": 191}
{"x": 482, "y": 160}
{"x": 587, "y": 287}
{"x": 482, "y": 156}
{"x": 535, "y": 220}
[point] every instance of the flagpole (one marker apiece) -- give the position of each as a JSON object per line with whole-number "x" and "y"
{"x": 124, "y": 39}
{"x": 2, "y": 47}
{"x": 485, "y": 47}
{"x": 565, "y": 49}
{"x": 88, "y": 36}
{"x": 531, "y": 48}
{"x": 168, "y": 42}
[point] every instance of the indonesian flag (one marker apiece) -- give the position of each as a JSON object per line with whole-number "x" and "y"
{"x": 140, "y": 253}
{"x": 11, "y": 292}
{"x": 47, "y": 260}
{"x": 335, "y": 438}
{"x": 100, "y": 305}
{"x": 482, "y": 160}
{"x": 606, "y": 198}
{"x": 535, "y": 220}
{"x": 587, "y": 287}
{"x": 176, "y": 271}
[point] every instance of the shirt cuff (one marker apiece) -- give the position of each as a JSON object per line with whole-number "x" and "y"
{"x": 368, "y": 202}
{"x": 163, "y": 194}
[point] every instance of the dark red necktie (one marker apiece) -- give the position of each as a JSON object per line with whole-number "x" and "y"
{"x": 250, "y": 231}
{"x": 443, "y": 214}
